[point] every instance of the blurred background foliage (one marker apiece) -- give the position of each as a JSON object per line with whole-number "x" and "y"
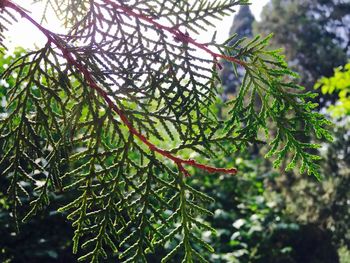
{"x": 339, "y": 83}
{"x": 262, "y": 214}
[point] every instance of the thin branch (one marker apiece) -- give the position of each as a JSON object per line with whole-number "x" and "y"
{"x": 176, "y": 32}
{"x": 52, "y": 38}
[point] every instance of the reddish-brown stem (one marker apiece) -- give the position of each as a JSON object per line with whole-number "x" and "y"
{"x": 177, "y": 34}
{"x": 88, "y": 77}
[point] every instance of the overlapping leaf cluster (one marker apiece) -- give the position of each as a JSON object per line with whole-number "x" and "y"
{"x": 60, "y": 135}
{"x": 6, "y": 19}
{"x": 268, "y": 94}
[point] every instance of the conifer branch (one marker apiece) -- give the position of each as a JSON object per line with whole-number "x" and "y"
{"x": 92, "y": 111}
{"x": 52, "y": 38}
{"x": 176, "y": 32}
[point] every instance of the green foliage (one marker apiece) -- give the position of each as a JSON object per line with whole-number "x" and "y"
{"x": 266, "y": 84}
{"x": 324, "y": 203}
{"x": 38, "y": 239}
{"x": 242, "y": 27}
{"x": 243, "y": 219}
{"x": 92, "y": 116}
{"x": 313, "y": 34}
{"x": 339, "y": 83}
{"x": 344, "y": 255}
